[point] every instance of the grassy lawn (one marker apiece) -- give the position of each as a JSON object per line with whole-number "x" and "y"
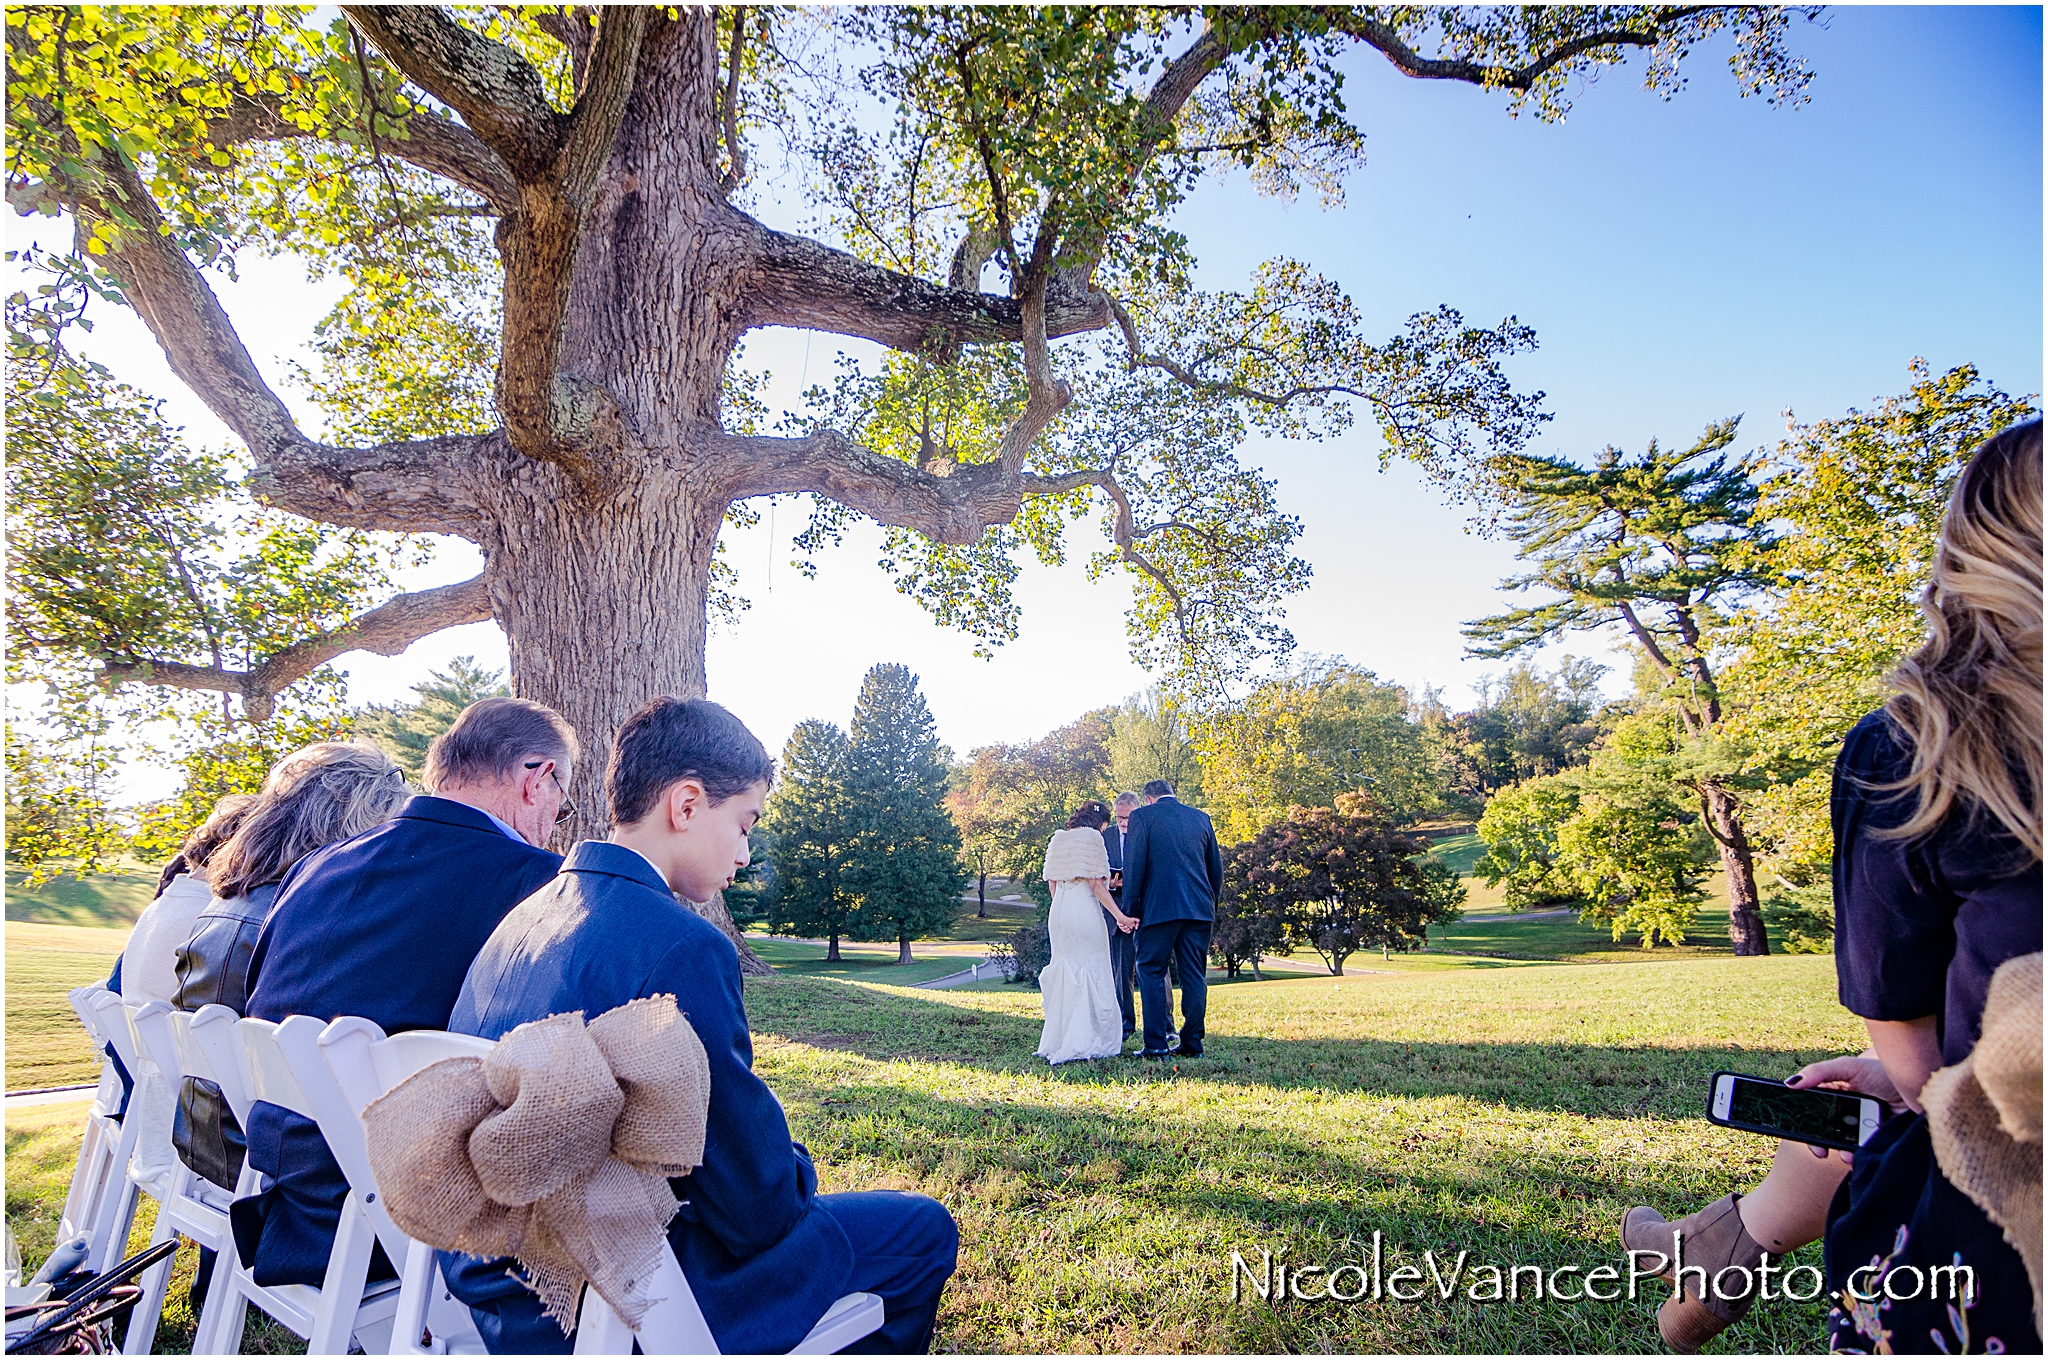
{"x": 1511, "y": 1111}
{"x": 860, "y": 963}
{"x": 1450, "y": 1102}
{"x": 94, "y": 900}
{"x": 45, "y": 1046}
{"x": 42, "y": 1146}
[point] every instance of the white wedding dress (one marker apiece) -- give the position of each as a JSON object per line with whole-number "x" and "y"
{"x": 1081, "y": 1015}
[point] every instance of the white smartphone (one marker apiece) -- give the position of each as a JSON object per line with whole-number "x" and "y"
{"x": 1836, "y": 1119}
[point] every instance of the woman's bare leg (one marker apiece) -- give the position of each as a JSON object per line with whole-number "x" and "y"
{"x": 1789, "y": 1208}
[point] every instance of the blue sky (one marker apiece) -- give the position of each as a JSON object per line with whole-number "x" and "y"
{"x": 1680, "y": 261}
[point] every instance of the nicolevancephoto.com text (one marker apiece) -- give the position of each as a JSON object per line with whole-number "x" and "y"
{"x": 1451, "y": 1273}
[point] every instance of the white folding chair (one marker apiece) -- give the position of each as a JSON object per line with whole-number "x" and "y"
{"x": 102, "y": 1168}
{"x": 188, "y": 1204}
{"x": 365, "y": 1064}
{"x": 342, "y": 1069}
{"x": 344, "y": 1306}
{"x": 114, "y": 1217}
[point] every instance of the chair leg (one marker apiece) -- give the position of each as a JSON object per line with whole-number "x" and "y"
{"x": 415, "y": 1297}
{"x": 341, "y": 1292}
{"x": 114, "y": 1211}
{"x": 156, "y": 1281}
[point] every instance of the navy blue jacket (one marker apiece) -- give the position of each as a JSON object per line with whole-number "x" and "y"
{"x": 764, "y": 1262}
{"x": 383, "y": 926}
{"x": 1173, "y": 868}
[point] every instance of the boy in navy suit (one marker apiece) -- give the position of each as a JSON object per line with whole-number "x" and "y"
{"x": 765, "y": 1254}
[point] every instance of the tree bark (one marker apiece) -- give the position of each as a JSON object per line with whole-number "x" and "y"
{"x": 903, "y": 943}
{"x": 981, "y": 892}
{"x": 1745, "y": 920}
{"x": 832, "y": 948}
{"x": 714, "y": 911}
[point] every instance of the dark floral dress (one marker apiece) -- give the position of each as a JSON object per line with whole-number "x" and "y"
{"x": 1920, "y": 927}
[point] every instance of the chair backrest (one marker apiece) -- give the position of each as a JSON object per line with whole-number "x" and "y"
{"x": 366, "y": 1064}
{"x": 346, "y": 1066}
{"x": 82, "y": 1007}
{"x": 266, "y": 1070}
{"x": 115, "y": 1029}
{"x": 211, "y": 1031}
{"x": 149, "y": 1023}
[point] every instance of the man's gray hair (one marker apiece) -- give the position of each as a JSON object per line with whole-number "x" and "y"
{"x": 493, "y": 738}
{"x": 1128, "y": 799}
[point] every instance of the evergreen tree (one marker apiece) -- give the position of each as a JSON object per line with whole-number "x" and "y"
{"x": 406, "y": 730}
{"x": 1661, "y": 544}
{"x": 904, "y": 866}
{"x": 808, "y": 892}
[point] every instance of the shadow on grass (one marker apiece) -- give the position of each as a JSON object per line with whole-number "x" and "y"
{"x": 1042, "y": 1186}
{"x": 1585, "y": 1079}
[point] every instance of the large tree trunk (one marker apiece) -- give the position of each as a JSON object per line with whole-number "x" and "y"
{"x": 1745, "y": 920}
{"x": 903, "y": 941}
{"x": 832, "y": 948}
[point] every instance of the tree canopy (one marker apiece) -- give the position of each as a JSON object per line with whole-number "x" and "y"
{"x": 543, "y": 216}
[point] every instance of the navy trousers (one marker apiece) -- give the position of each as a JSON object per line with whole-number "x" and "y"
{"x": 1123, "y": 971}
{"x": 904, "y": 1250}
{"x": 1183, "y": 946}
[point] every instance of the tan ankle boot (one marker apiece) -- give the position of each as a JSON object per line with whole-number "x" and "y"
{"x": 1712, "y": 1240}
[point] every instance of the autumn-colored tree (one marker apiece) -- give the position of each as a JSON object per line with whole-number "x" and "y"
{"x": 1021, "y": 794}
{"x": 1861, "y": 497}
{"x": 1305, "y": 738}
{"x": 543, "y": 216}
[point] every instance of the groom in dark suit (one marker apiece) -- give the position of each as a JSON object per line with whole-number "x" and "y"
{"x": 1173, "y": 874}
{"x": 1123, "y": 945}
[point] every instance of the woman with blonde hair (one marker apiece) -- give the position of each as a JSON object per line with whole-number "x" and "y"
{"x": 1937, "y": 881}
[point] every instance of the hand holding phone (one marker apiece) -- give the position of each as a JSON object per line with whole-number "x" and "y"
{"x": 1836, "y": 1119}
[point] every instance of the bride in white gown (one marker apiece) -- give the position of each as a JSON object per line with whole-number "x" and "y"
{"x": 1082, "y": 1019}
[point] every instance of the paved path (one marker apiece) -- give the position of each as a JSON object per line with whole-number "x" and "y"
{"x": 60, "y": 1096}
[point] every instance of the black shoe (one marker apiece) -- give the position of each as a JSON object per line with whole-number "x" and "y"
{"x": 1185, "y": 1053}
{"x": 1150, "y": 1055}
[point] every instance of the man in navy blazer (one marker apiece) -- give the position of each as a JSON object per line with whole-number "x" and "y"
{"x": 764, "y": 1252}
{"x": 1173, "y": 874}
{"x": 384, "y": 926}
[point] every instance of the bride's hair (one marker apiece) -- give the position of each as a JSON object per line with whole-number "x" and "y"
{"x": 1970, "y": 698}
{"x": 1091, "y": 814}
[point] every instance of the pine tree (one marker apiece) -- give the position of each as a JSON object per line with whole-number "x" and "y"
{"x": 904, "y": 868}
{"x": 808, "y": 892}
{"x": 406, "y": 730}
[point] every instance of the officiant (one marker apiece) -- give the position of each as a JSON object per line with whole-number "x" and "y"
{"x": 1123, "y": 947}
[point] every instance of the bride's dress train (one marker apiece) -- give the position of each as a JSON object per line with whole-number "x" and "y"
{"x": 1082, "y": 1019}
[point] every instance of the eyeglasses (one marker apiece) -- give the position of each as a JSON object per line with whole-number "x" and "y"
{"x": 568, "y": 808}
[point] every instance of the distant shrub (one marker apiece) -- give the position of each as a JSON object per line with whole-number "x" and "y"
{"x": 1803, "y": 918}
{"x": 1022, "y": 954}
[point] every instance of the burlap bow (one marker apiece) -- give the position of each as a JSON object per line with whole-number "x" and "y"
{"x": 555, "y": 1149}
{"x": 1984, "y": 1114}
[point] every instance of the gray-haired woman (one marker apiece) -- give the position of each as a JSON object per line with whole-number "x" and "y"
{"x": 330, "y": 791}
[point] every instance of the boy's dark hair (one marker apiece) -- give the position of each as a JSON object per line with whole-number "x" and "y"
{"x": 672, "y": 739}
{"x": 1159, "y": 788}
{"x": 1091, "y": 814}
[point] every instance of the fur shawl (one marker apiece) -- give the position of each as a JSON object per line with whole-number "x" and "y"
{"x": 1077, "y": 852}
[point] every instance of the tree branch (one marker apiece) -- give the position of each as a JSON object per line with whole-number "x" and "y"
{"x": 386, "y": 630}
{"x": 1409, "y": 62}
{"x": 729, "y": 107}
{"x": 806, "y": 284}
{"x": 497, "y": 91}
{"x": 406, "y": 487}
{"x": 437, "y": 145}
